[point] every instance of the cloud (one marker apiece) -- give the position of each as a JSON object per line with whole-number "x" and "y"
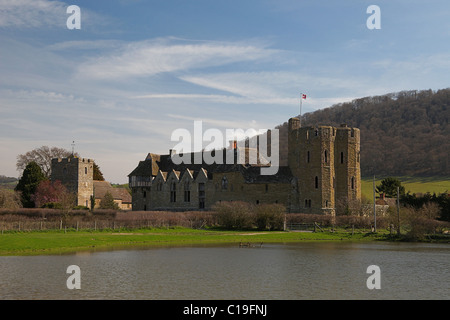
{"x": 32, "y": 13}
{"x": 151, "y": 57}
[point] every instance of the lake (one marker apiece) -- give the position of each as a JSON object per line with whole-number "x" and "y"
{"x": 294, "y": 271}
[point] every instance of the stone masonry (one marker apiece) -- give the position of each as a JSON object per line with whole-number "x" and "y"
{"x": 323, "y": 168}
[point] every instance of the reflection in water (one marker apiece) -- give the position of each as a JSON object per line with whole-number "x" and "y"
{"x": 275, "y": 271}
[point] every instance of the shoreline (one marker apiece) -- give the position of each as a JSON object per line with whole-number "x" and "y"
{"x": 66, "y": 242}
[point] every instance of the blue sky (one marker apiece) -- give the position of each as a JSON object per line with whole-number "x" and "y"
{"x": 138, "y": 70}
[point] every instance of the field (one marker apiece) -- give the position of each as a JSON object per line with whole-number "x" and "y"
{"x": 412, "y": 184}
{"x": 58, "y": 242}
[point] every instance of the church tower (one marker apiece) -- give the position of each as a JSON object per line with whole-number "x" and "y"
{"x": 77, "y": 175}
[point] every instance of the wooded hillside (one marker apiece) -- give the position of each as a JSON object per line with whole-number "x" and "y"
{"x": 403, "y": 133}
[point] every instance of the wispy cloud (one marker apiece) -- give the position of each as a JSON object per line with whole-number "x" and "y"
{"x": 32, "y": 13}
{"x": 151, "y": 57}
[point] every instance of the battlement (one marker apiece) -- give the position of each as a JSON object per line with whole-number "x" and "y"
{"x": 71, "y": 160}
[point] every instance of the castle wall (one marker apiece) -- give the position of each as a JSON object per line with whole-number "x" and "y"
{"x": 324, "y": 163}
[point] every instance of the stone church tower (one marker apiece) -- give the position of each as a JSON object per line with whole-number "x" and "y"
{"x": 77, "y": 175}
{"x": 326, "y": 162}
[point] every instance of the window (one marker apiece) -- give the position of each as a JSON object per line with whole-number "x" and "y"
{"x": 267, "y": 187}
{"x": 316, "y": 182}
{"x": 307, "y": 203}
{"x": 201, "y": 195}
{"x": 145, "y": 194}
{"x": 173, "y": 192}
{"x": 353, "y": 183}
{"x": 187, "y": 192}
{"x": 224, "y": 183}
{"x": 85, "y": 170}
{"x": 326, "y": 156}
{"x": 308, "y": 157}
{"x": 342, "y": 157}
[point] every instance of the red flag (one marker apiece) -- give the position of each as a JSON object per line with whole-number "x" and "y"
{"x": 303, "y": 96}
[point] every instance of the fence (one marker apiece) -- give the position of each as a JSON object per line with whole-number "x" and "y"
{"x": 312, "y": 227}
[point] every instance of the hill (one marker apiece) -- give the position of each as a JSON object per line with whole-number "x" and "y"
{"x": 402, "y": 134}
{"x": 8, "y": 182}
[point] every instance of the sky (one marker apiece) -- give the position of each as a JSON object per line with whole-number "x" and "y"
{"x": 136, "y": 71}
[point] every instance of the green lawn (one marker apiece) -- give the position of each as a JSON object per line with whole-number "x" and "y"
{"x": 413, "y": 184}
{"x": 57, "y": 242}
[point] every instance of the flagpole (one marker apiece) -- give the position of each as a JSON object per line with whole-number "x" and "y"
{"x": 300, "y": 116}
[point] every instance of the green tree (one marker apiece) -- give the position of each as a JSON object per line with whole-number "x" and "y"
{"x": 389, "y": 186}
{"x": 98, "y": 175}
{"x": 108, "y": 202}
{"x": 28, "y": 183}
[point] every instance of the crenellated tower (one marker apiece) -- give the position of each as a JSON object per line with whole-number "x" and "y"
{"x": 77, "y": 175}
{"x": 325, "y": 161}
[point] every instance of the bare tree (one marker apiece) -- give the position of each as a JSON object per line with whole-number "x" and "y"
{"x": 9, "y": 199}
{"x": 43, "y": 157}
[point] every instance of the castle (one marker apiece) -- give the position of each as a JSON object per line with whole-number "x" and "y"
{"x": 323, "y": 167}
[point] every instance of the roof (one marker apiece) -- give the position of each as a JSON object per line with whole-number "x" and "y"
{"x": 251, "y": 172}
{"x": 102, "y": 187}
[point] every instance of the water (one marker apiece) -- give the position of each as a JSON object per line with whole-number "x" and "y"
{"x": 331, "y": 270}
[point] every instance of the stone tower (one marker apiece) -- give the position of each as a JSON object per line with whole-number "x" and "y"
{"x": 77, "y": 174}
{"x": 325, "y": 161}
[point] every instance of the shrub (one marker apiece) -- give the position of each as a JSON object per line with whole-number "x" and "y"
{"x": 234, "y": 214}
{"x": 270, "y": 216}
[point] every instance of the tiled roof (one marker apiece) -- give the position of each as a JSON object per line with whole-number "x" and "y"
{"x": 251, "y": 172}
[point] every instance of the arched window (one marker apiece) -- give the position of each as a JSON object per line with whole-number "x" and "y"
{"x": 85, "y": 170}
{"x": 316, "y": 182}
{"x": 353, "y": 183}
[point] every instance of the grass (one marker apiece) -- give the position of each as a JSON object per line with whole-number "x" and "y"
{"x": 59, "y": 242}
{"x": 412, "y": 184}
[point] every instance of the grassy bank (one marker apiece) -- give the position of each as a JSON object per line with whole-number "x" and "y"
{"x": 412, "y": 184}
{"x": 58, "y": 242}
